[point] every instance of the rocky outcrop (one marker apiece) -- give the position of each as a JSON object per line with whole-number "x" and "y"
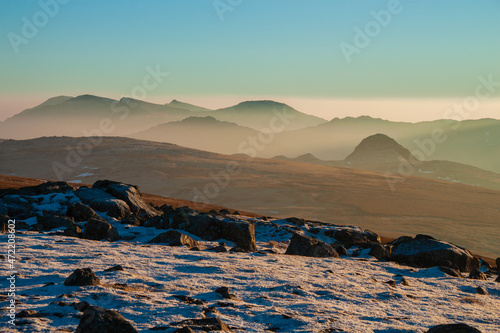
{"x": 82, "y": 277}
{"x": 102, "y": 201}
{"x": 96, "y": 319}
{"x": 97, "y": 229}
{"x": 204, "y": 324}
{"x": 353, "y": 236}
{"x": 174, "y": 238}
{"x": 425, "y": 251}
{"x": 131, "y": 195}
{"x": 311, "y": 247}
{"x": 209, "y": 227}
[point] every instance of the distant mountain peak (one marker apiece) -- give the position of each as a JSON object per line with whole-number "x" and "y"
{"x": 260, "y": 104}
{"x": 379, "y": 147}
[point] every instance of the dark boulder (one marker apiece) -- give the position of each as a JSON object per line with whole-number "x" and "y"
{"x": 174, "y": 238}
{"x": 81, "y": 212}
{"x": 425, "y": 251}
{"x": 339, "y": 248}
{"x": 453, "y": 328}
{"x": 498, "y": 263}
{"x": 96, "y": 319}
{"x": 476, "y": 274}
{"x": 296, "y": 221}
{"x": 212, "y": 228}
{"x": 15, "y": 206}
{"x": 53, "y": 221}
{"x": 73, "y": 231}
{"x": 310, "y": 247}
{"x": 352, "y": 236}
{"x": 221, "y": 248}
{"x": 224, "y": 292}
{"x": 130, "y": 194}
{"x": 102, "y": 201}
{"x": 99, "y": 229}
{"x": 82, "y": 277}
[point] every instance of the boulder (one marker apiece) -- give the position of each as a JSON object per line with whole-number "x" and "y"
{"x": 130, "y": 194}
{"x": 476, "y": 274}
{"x": 81, "y": 212}
{"x": 73, "y": 231}
{"x": 204, "y": 324}
{"x": 497, "y": 261}
{"x": 352, "y": 236}
{"x": 174, "y": 238}
{"x": 96, "y": 319}
{"x": 425, "y": 251}
{"x": 53, "y": 221}
{"x": 82, "y": 277}
{"x": 100, "y": 229}
{"x": 102, "y": 201}
{"x": 212, "y": 228}
{"x": 450, "y": 271}
{"x": 379, "y": 251}
{"x": 453, "y": 328}
{"x": 46, "y": 188}
{"x": 15, "y": 206}
{"x": 311, "y": 247}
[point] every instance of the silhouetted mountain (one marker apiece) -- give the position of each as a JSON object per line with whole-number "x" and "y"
{"x": 205, "y": 133}
{"x": 267, "y": 114}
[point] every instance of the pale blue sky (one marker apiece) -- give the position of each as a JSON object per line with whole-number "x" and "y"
{"x": 283, "y": 48}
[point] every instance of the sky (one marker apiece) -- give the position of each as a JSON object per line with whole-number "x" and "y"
{"x": 399, "y": 60}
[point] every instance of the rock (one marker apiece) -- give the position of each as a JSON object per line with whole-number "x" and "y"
{"x": 497, "y": 261}
{"x": 96, "y": 319}
{"x": 405, "y": 282}
{"x": 296, "y": 221}
{"x": 311, "y": 247}
{"x": 339, "y": 248}
{"x": 453, "y": 328}
{"x": 29, "y": 314}
{"x": 476, "y": 274}
{"x": 378, "y": 251}
{"x": 133, "y": 220}
{"x": 425, "y": 251}
{"x": 497, "y": 279}
{"x": 188, "y": 299}
{"x": 224, "y": 212}
{"x": 82, "y": 277}
{"x": 352, "y": 236}
{"x": 73, "y": 231}
{"x": 100, "y": 229}
{"x": 224, "y": 292}
{"x": 131, "y": 195}
{"x": 174, "y": 238}
{"x": 81, "y": 212}
{"x": 392, "y": 283}
{"x": 52, "y": 222}
{"x": 481, "y": 291}
{"x": 450, "y": 271}
{"x": 46, "y": 188}
{"x": 102, "y": 201}
{"x": 204, "y": 324}
{"x": 15, "y": 206}
{"x": 212, "y": 228}
{"x": 115, "y": 268}
{"x": 221, "y": 248}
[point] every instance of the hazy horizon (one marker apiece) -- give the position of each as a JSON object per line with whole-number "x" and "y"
{"x": 326, "y": 58}
{"x": 387, "y": 109}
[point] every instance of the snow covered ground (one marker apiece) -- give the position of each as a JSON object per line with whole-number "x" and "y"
{"x": 274, "y": 292}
